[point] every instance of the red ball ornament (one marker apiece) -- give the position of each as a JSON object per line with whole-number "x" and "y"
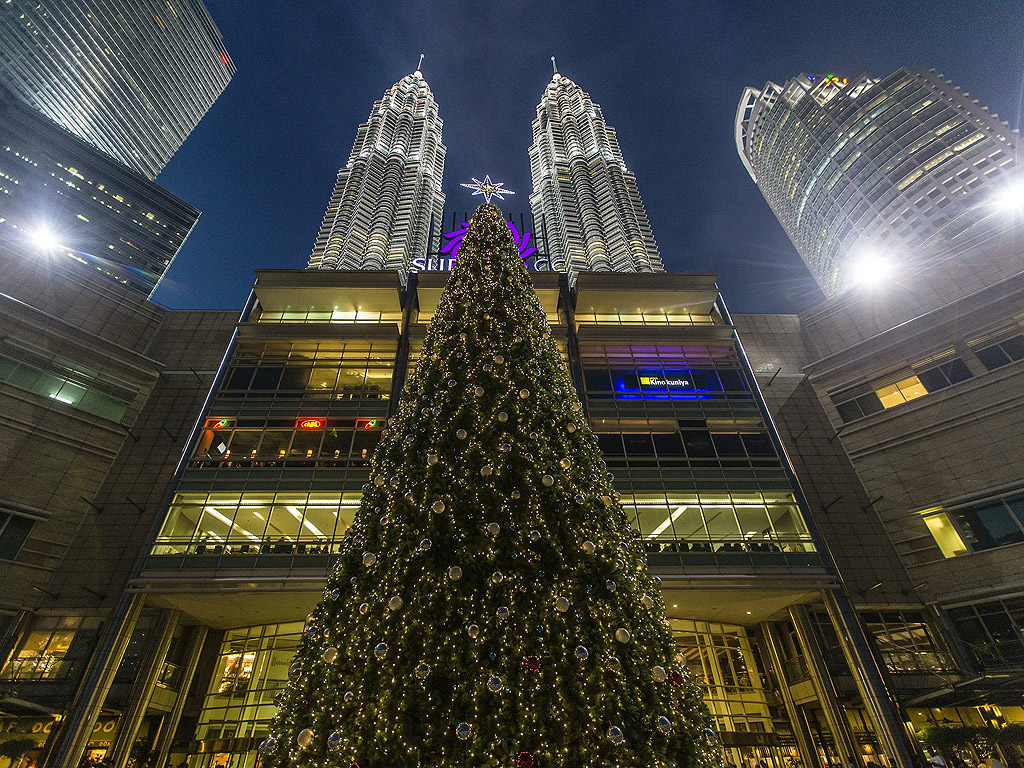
{"x": 531, "y": 664}
{"x": 524, "y": 760}
{"x": 675, "y": 677}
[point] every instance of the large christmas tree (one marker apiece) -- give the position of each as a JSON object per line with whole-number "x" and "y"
{"x": 492, "y": 605}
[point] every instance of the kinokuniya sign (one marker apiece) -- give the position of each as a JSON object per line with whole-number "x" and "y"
{"x": 664, "y": 380}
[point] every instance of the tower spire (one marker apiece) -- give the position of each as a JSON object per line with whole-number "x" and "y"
{"x": 553, "y": 65}
{"x": 420, "y": 65}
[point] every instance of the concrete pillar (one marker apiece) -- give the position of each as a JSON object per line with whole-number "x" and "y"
{"x": 835, "y": 716}
{"x": 777, "y": 657}
{"x": 77, "y": 725}
{"x": 169, "y": 725}
{"x": 142, "y": 689}
{"x": 880, "y": 702}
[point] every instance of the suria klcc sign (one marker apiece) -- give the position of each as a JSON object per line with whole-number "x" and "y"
{"x": 444, "y": 260}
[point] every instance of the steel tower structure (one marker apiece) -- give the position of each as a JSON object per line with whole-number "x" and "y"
{"x": 386, "y": 197}
{"x": 583, "y": 193}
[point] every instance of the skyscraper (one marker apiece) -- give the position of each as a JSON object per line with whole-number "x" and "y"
{"x": 385, "y": 198}
{"x": 65, "y": 200}
{"x": 132, "y": 79}
{"x": 583, "y": 193}
{"x": 867, "y": 174}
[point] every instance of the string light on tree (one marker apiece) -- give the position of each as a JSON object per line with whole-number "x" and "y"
{"x": 491, "y": 605}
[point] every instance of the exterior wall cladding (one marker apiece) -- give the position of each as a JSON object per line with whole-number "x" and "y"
{"x": 133, "y": 80}
{"x": 188, "y": 660}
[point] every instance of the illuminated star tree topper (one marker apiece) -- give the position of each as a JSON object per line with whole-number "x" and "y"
{"x": 488, "y": 189}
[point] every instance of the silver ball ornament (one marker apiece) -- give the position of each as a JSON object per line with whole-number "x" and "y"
{"x": 381, "y": 650}
{"x": 493, "y": 529}
{"x": 431, "y": 459}
{"x": 473, "y": 630}
{"x": 334, "y": 741}
{"x": 548, "y": 481}
{"x": 486, "y": 471}
{"x": 437, "y": 507}
{"x": 664, "y": 724}
{"x": 659, "y": 674}
{"x": 582, "y": 653}
{"x": 330, "y": 654}
{"x": 455, "y": 573}
{"x": 494, "y": 684}
{"x": 463, "y": 731}
{"x": 503, "y": 612}
{"x": 499, "y": 359}
{"x": 461, "y": 434}
{"x": 615, "y": 735}
{"x": 562, "y": 604}
{"x": 305, "y": 737}
{"x": 478, "y": 391}
{"x": 502, "y": 417}
{"x": 395, "y": 603}
{"x": 369, "y": 559}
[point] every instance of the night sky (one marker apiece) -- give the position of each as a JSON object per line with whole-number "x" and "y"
{"x": 262, "y": 163}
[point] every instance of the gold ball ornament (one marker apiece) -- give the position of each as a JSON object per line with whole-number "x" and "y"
{"x": 622, "y": 635}
{"x": 330, "y": 654}
{"x": 305, "y": 737}
{"x": 562, "y": 604}
{"x": 395, "y": 603}
{"x": 589, "y": 547}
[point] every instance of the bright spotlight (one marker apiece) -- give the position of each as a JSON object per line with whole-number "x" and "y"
{"x": 1011, "y": 198}
{"x": 44, "y": 239}
{"x": 870, "y": 269}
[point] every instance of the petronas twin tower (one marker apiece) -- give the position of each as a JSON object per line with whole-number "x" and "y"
{"x": 388, "y": 196}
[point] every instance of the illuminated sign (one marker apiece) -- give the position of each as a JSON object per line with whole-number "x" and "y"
{"x": 310, "y": 423}
{"x": 219, "y": 423}
{"x": 445, "y": 259}
{"x": 367, "y": 423}
{"x": 664, "y": 382}
{"x": 488, "y": 189}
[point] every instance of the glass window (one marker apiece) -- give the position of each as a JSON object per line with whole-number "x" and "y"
{"x": 669, "y": 445}
{"x": 43, "y": 651}
{"x": 902, "y": 391}
{"x": 274, "y": 443}
{"x": 993, "y": 357}
{"x": 266, "y": 378}
{"x": 989, "y": 525}
{"x": 698, "y": 444}
{"x": 295, "y": 377}
{"x": 610, "y": 445}
{"x": 638, "y": 444}
{"x": 945, "y": 535}
{"x": 14, "y": 529}
{"x": 240, "y": 378}
{"x": 728, "y": 444}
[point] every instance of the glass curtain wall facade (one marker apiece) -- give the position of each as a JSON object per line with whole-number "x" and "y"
{"x": 274, "y": 473}
{"x": 132, "y": 79}
{"x": 63, "y": 199}
{"x": 867, "y": 171}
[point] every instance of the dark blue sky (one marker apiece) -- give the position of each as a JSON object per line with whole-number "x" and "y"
{"x": 262, "y": 163}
